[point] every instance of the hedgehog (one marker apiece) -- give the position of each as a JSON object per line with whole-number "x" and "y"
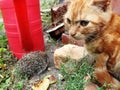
{"x": 32, "y": 63}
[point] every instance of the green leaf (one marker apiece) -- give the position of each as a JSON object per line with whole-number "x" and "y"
{"x": 1, "y": 89}
{"x": 7, "y": 81}
{"x": 1, "y": 26}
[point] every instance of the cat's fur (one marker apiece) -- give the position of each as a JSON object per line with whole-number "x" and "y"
{"x": 93, "y": 21}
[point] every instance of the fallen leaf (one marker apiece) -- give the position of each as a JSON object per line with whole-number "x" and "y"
{"x": 44, "y": 84}
{"x": 51, "y": 78}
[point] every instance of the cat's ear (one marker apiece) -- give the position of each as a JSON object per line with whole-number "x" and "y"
{"x": 104, "y": 5}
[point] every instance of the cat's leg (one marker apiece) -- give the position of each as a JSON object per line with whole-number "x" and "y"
{"x": 113, "y": 65}
{"x": 102, "y": 75}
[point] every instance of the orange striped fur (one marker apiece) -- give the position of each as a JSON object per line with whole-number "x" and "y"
{"x": 93, "y": 21}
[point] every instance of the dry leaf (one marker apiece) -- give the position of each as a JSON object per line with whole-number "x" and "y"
{"x": 44, "y": 84}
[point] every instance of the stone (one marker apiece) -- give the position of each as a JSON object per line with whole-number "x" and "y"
{"x": 73, "y": 52}
{"x": 90, "y": 86}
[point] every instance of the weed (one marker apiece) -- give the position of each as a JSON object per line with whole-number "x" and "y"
{"x": 12, "y": 80}
{"x": 1, "y": 26}
{"x": 6, "y": 59}
{"x": 76, "y": 80}
{"x": 47, "y": 4}
{"x": 3, "y": 39}
{"x": 46, "y": 12}
{"x": 75, "y": 75}
{"x": 51, "y": 41}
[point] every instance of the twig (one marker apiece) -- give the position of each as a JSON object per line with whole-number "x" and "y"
{"x": 55, "y": 28}
{"x": 45, "y": 10}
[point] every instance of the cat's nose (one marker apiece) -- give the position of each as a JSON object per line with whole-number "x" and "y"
{"x": 72, "y": 32}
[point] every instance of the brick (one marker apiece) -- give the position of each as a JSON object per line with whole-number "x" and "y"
{"x": 66, "y": 39}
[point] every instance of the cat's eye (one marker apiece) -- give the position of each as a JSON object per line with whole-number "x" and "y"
{"x": 84, "y": 22}
{"x": 68, "y": 21}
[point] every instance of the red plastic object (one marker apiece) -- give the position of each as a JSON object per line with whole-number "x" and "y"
{"x": 23, "y": 25}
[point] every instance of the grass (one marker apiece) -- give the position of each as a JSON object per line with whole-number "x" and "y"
{"x": 77, "y": 74}
{"x": 75, "y": 79}
{"x": 46, "y": 6}
{"x": 7, "y": 61}
{"x": 12, "y": 80}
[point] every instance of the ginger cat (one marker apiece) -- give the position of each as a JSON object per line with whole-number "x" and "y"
{"x": 93, "y": 21}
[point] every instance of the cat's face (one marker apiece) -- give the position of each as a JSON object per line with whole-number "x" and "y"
{"x": 85, "y": 18}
